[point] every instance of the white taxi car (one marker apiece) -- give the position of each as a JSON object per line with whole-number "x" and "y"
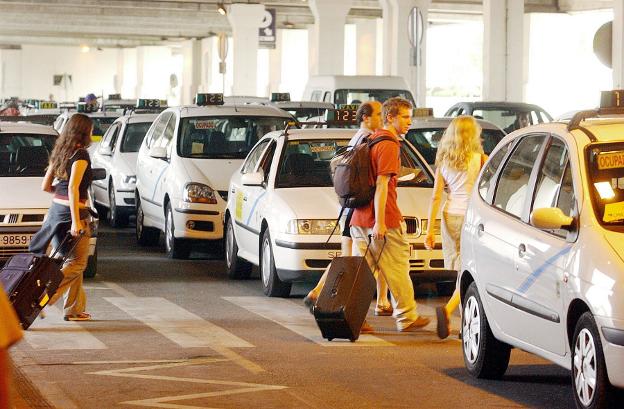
{"x": 543, "y": 254}
{"x": 101, "y": 120}
{"x": 305, "y": 110}
{"x": 185, "y": 164}
{"x": 282, "y": 209}
{"x": 117, "y": 153}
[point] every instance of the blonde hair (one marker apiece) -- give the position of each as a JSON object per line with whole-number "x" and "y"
{"x": 456, "y": 147}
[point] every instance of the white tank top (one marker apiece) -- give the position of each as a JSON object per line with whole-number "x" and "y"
{"x": 460, "y": 183}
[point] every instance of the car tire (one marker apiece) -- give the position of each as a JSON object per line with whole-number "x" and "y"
{"x": 175, "y": 248}
{"x": 271, "y": 283}
{"x": 91, "y": 269}
{"x": 115, "y": 218}
{"x": 146, "y": 236}
{"x": 237, "y": 268}
{"x": 484, "y": 356}
{"x": 592, "y": 389}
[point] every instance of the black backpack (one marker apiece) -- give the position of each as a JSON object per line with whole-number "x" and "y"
{"x": 351, "y": 174}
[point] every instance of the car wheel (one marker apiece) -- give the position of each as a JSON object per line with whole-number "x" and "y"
{"x": 237, "y": 268}
{"x": 484, "y": 356}
{"x": 271, "y": 284}
{"x": 592, "y": 389}
{"x": 175, "y": 248}
{"x": 146, "y": 236}
{"x": 115, "y": 219}
{"x": 91, "y": 269}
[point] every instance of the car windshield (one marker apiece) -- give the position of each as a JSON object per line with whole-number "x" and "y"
{"x": 511, "y": 119}
{"x": 605, "y": 166}
{"x": 357, "y": 96}
{"x": 230, "y": 137}
{"x": 306, "y": 163}
{"x": 101, "y": 125}
{"x": 133, "y": 138}
{"x": 305, "y": 114}
{"x": 24, "y": 154}
{"x": 426, "y": 141}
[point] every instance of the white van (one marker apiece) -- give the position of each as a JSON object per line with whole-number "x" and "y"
{"x": 355, "y": 89}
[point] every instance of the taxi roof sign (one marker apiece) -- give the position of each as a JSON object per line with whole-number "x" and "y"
{"x": 612, "y": 99}
{"x": 351, "y": 107}
{"x": 422, "y": 112}
{"x": 209, "y": 99}
{"x": 114, "y": 96}
{"x": 280, "y": 97}
{"x": 342, "y": 117}
{"x": 149, "y": 103}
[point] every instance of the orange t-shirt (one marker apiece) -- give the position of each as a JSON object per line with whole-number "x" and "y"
{"x": 385, "y": 161}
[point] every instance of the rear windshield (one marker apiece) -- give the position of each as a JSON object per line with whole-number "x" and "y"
{"x": 305, "y": 114}
{"x": 101, "y": 125}
{"x": 24, "y": 154}
{"x": 357, "y": 96}
{"x": 230, "y": 137}
{"x": 133, "y": 138}
{"x": 511, "y": 120}
{"x": 426, "y": 141}
{"x": 605, "y": 166}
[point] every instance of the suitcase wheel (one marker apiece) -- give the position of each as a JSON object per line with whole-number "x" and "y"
{"x": 352, "y": 339}
{"x": 330, "y": 339}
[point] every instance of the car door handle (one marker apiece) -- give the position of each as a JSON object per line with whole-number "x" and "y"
{"x": 521, "y": 250}
{"x": 233, "y": 190}
{"x": 245, "y": 198}
{"x": 480, "y": 229}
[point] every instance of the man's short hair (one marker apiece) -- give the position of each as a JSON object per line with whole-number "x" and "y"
{"x": 392, "y": 106}
{"x": 365, "y": 109}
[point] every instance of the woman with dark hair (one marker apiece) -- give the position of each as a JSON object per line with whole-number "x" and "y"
{"x": 71, "y": 166}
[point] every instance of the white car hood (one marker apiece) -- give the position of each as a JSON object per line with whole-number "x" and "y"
{"x": 322, "y": 202}
{"x": 23, "y": 193}
{"x": 215, "y": 173}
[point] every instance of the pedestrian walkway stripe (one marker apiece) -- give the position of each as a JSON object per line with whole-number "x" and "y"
{"x": 52, "y": 333}
{"x": 177, "y": 324}
{"x": 297, "y": 318}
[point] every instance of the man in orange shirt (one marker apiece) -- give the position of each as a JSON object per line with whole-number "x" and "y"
{"x": 382, "y": 218}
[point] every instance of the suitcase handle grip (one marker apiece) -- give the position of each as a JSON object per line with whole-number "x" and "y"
{"x": 67, "y": 237}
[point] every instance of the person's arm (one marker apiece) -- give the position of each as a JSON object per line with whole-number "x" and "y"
{"x": 48, "y": 179}
{"x": 434, "y": 208}
{"x": 77, "y": 172}
{"x": 381, "y": 197}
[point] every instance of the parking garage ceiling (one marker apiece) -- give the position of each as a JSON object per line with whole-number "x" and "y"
{"x": 119, "y": 23}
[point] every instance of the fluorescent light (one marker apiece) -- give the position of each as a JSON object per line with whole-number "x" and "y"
{"x": 85, "y": 49}
{"x": 605, "y": 190}
{"x": 221, "y": 9}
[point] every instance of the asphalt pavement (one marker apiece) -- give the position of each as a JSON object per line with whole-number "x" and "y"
{"x": 179, "y": 334}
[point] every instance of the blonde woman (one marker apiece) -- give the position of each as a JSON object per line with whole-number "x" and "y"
{"x": 458, "y": 162}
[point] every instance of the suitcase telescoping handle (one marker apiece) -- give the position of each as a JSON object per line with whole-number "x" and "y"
{"x": 334, "y": 291}
{"x": 67, "y": 237}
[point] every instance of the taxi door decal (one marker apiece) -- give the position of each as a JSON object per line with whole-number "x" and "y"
{"x": 239, "y": 205}
{"x": 253, "y": 208}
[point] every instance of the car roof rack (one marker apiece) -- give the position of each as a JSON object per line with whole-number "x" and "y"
{"x": 575, "y": 122}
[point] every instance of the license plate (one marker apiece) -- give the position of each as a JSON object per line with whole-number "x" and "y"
{"x": 15, "y": 240}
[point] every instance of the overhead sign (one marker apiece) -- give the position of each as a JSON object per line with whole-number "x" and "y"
{"x": 267, "y": 32}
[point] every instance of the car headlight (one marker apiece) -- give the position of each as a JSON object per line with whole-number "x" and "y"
{"x": 198, "y": 193}
{"x": 128, "y": 179}
{"x": 308, "y": 226}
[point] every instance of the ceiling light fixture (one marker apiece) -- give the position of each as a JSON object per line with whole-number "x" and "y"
{"x": 288, "y": 24}
{"x": 221, "y": 9}
{"x": 85, "y": 48}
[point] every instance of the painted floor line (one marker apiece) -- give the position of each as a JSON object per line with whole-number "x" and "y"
{"x": 177, "y": 324}
{"x": 297, "y": 318}
{"x": 53, "y": 333}
{"x": 118, "y": 289}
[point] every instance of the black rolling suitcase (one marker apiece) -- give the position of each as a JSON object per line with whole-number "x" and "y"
{"x": 30, "y": 280}
{"x": 343, "y": 303}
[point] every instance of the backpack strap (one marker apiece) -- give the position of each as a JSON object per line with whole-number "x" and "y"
{"x": 375, "y": 141}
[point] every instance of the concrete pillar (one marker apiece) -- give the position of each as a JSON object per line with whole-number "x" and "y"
{"x": 245, "y": 20}
{"x": 504, "y": 53}
{"x": 312, "y": 51}
{"x": 618, "y": 44}
{"x": 119, "y": 75}
{"x": 140, "y": 66}
{"x": 388, "y": 36}
{"x": 191, "y": 71}
{"x": 366, "y": 40}
{"x": 275, "y": 64}
{"x": 11, "y": 73}
{"x": 206, "y": 68}
{"x": 330, "y": 17}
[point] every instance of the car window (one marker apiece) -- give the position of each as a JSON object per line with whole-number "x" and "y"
{"x": 512, "y": 187}
{"x": 133, "y": 136}
{"x": 167, "y": 136}
{"x": 411, "y": 163}
{"x": 101, "y": 124}
{"x": 357, "y": 96}
{"x": 490, "y": 170}
{"x": 566, "y": 200}
{"x": 157, "y": 129}
{"x": 551, "y": 173}
{"x": 316, "y": 95}
{"x": 267, "y": 160}
{"x": 327, "y": 96}
{"x": 254, "y": 157}
{"x": 109, "y": 137}
{"x": 24, "y": 154}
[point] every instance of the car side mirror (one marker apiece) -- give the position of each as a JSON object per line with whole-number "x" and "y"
{"x": 158, "y": 152}
{"x": 98, "y": 173}
{"x": 550, "y": 218}
{"x": 105, "y": 150}
{"x": 253, "y": 179}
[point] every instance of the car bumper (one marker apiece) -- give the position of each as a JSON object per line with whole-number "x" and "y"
{"x": 197, "y": 221}
{"x": 8, "y": 252}
{"x": 125, "y": 199}
{"x": 612, "y": 337}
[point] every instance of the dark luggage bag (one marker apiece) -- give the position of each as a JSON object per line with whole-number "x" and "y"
{"x": 343, "y": 303}
{"x": 30, "y": 280}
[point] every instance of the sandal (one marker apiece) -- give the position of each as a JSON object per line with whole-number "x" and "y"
{"x": 83, "y": 316}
